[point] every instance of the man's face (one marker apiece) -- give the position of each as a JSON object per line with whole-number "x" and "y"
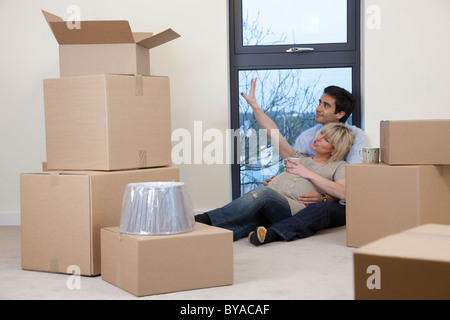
{"x": 326, "y": 111}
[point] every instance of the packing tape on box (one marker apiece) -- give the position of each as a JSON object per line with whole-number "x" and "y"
{"x": 118, "y": 274}
{"x": 119, "y": 246}
{"x": 142, "y": 158}
{"x": 119, "y": 242}
{"x": 139, "y": 86}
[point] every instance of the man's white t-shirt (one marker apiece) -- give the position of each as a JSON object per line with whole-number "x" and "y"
{"x": 307, "y": 138}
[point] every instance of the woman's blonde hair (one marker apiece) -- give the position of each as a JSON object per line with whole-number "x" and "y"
{"x": 341, "y": 138}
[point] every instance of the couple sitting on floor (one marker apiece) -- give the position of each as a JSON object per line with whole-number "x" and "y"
{"x": 310, "y": 195}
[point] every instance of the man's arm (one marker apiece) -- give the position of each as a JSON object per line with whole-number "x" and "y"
{"x": 360, "y": 142}
{"x": 315, "y": 197}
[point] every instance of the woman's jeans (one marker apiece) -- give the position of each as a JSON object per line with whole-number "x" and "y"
{"x": 260, "y": 207}
{"x": 310, "y": 220}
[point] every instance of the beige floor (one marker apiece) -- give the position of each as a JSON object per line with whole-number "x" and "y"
{"x": 318, "y": 268}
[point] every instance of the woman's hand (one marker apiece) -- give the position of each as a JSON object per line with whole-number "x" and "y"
{"x": 251, "y": 97}
{"x": 295, "y": 167}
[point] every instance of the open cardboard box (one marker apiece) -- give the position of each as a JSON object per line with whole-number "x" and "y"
{"x": 99, "y": 47}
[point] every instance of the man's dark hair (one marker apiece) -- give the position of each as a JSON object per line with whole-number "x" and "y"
{"x": 345, "y": 101}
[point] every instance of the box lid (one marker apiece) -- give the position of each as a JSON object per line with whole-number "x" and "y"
{"x": 427, "y": 242}
{"x": 105, "y": 32}
{"x": 200, "y": 230}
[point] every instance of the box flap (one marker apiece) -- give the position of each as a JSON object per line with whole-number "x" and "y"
{"x": 140, "y": 36}
{"x": 91, "y": 32}
{"x": 51, "y": 17}
{"x": 105, "y": 32}
{"x": 159, "y": 39}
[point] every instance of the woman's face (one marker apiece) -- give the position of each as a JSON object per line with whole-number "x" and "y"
{"x": 322, "y": 145}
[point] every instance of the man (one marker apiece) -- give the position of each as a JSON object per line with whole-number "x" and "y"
{"x": 336, "y": 105}
{"x": 322, "y": 211}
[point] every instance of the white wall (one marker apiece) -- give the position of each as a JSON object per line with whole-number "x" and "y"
{"x": 197, "y": 64}
{"x": 406, "y": 64}
{"x": 405, "y": 75}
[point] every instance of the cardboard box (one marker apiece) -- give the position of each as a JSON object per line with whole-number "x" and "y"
{"x": 412, "y": 265}
{"x": 104, "y": 47}
{"x": 107, "y": 122}
{"x": 417, "y": 142}
{"x": 62, "y": 214}
{"x": 148, "y": 265}
{"x": 383, "y": 200}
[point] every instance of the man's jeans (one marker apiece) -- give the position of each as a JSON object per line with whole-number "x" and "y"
{"x": 260, "y": 207}
{"x": 310, "y": 220}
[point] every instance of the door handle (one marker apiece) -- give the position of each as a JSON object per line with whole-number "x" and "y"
{"x": 299, "y": 50}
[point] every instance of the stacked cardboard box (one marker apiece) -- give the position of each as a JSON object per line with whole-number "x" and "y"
{"x": 108, "y": 123}
{"x": 147, "y": 265}
{"x": 410, "y": 188}
{"x": 62, "y": 213}
{"x": 398, "y": 214}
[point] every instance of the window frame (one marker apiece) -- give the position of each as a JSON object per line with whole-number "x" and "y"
{"x": 337, "y": 55}
{"x": 349, "y": 46}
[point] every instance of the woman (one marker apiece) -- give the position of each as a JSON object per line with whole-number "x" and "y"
{"x": 266, "y": 205}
